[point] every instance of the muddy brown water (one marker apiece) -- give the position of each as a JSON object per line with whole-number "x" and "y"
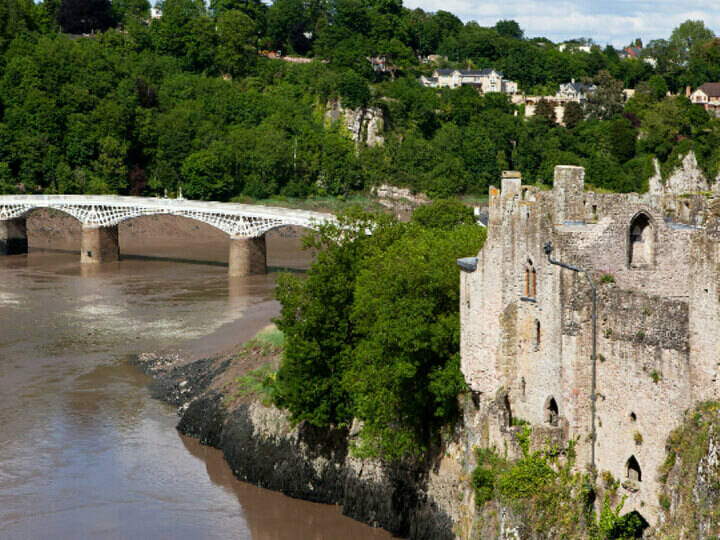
{"x": 85, "y": 452}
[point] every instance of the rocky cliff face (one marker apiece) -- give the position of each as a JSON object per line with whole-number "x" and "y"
{"x": 417, "y": 500}
{"x": 364, "y": 124}
{"x": 691, "y": 494}
{"x": 687, "y": 178}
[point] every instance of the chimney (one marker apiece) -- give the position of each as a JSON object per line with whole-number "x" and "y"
{"x": 687, "y": 91}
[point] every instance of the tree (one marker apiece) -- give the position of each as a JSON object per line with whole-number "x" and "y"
{"x": 545, "y": 111}
{"x": 657, "y": 87}
{"x": 16, "y": 17}
{"x": 206, "y": 174}
{"x": 622, "y": 139}
{"x": 404, "y": 375}
{"x": 171, "y": 31}
{"x": 237, "y": 37}
{"x": 573, "y": 114}
{"x": 86, "y": 16}
{"x": 287, "y": 23}
{"x": 686, "y": 37}
{"x": 354, "y": 90}
{"x": 110, "y": 166}
{"x": 443, "y": 214}
{"x": 315, "y": 318}
{"x": 509, "y": 29}
{"x": 607, "y": 99}
{"x": 126, "y": 9}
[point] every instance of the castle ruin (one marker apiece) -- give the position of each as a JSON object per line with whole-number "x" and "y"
{"x": 526, "y": 324}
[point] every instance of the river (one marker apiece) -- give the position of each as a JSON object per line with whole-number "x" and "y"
{"x": 85, "y": 452}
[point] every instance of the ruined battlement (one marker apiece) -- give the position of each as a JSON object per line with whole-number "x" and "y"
{"x": 526, "y": 330}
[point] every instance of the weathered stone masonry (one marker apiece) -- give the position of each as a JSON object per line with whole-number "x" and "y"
{"x": 526, "y": 325}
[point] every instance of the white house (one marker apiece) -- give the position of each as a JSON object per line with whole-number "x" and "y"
{"x": 575, "y": 91}
{"x": 708, "y": 95}
{"x": 487, "y": 80}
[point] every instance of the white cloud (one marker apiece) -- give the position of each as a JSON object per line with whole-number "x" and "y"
{"x": 611, "y": 21}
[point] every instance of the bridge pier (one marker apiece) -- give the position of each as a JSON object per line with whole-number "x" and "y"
{"x": 13, "y": 236}
{"x": 247, "y": 256}
{"x": 99, "y": 244}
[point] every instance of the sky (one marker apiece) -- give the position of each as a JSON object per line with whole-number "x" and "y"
{"x": 606, "y": 21}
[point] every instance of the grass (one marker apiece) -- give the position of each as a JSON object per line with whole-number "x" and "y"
{"x": 259, "y": 382}
{"x": 270, "y": 337}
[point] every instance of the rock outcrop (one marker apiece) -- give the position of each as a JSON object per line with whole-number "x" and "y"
{"x": 417, "y": 500}
{"x": 687, "y": 178}
{"x": 365, "y": 124}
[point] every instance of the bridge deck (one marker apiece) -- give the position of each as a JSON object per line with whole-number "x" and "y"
{"x": 108, "y": 210}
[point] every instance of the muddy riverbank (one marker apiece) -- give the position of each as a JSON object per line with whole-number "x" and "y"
{"x": 262, "y": 447}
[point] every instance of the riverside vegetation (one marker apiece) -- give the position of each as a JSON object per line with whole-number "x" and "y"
{"x": 145, "y": 105}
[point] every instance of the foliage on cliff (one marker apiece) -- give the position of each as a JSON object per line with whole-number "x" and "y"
{"x": 547, "y": 498}
{"x": 690, "y": 497}
{"x": 372, "y": 332}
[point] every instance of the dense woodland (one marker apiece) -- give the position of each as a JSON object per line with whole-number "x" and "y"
{"x": 144, "y": 105}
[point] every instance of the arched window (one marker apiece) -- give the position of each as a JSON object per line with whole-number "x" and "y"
{"x": 641, "y": 242}
{"x": 633, "y": 469}
{"x": 552, "y": 413}
{"x": 506, "y": 402}
{"x": 530, "y": 280}
{"x": 537, "y": 335}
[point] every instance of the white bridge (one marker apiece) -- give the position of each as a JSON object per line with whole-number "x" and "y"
{"x": 100, "y": 215}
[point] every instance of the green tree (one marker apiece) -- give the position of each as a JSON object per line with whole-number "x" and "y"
{"x": 573, "y": 114}
{"x": 657, "y": 87}
{"x": 404, "y": 376}
{"x": 237, "y": 36}
{"x": 622, "y": 139}
{"x": 354, "y": 90}
{"x": 443, "y": 214}
{"x": 172, "y": 30}
{"x": 607, "y": 99}
{"x": 686, "y": 37}
{"x": 206, "y": 174}
{"x": 545, "y": 111}
{"x": 509, "y": 29}
{"x": 85, "y": 16}
{"x": 111, "y": 169}
{"x": 315, "y": 318}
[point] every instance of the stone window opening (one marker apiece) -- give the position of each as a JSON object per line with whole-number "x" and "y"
{"x": 633, "y": 470}
{"x": 506, "y": 402}
{"x": 633, "y": 417}
{"x": 641, "y": 242}
{"x": 530, "y": 280}
{"x": 552, "y": 413}
{"x": 537, "y": 335}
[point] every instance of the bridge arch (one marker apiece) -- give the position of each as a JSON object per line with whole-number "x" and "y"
{"x": 100, "y": 215}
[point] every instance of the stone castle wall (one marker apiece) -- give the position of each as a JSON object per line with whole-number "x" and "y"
{"x": 526, "y": 332}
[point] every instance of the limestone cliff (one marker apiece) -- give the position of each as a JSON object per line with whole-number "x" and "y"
{"x": 364, "y": 124}
{"x": 691, "y": 475}
{"x": 688, "y": 177}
